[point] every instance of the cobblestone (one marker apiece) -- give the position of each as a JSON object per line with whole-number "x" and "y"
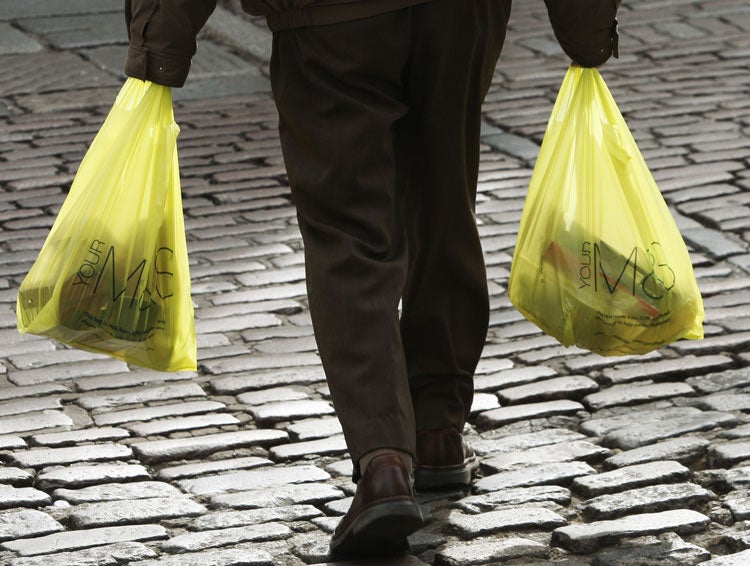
{"x": 74, "y": 540}
{"x": 645, "y": 500}
{"x": 181, "y": 448}
{"x": 630, "y": 477}
{"x": 26, "y": 523}
{"x": 153, "y": 509}
{"x": 81, "y": 475}
{"x": 487, "y": 551}
{"x": 685, "y": 450}
{"x": 57, "y": 456}
{"x": 107, "y": 555}
{"x": 585, "y": 538}
{"x": 668, "y": 550}
{"x": 118, "y": 492}
{"x": 504, "y": 520}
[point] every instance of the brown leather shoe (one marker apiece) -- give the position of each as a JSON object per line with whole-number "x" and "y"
{"x": 383, "y": 513}
{"x": 444, "y": 460}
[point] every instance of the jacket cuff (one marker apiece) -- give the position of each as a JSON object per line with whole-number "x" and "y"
{"x": 159, "y": 68}
{"x": 595, "y": 50}
{"x": 585, "y": 29}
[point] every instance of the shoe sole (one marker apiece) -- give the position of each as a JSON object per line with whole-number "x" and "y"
{"x": 434, "y": 479}
{"x": 378, "y": 531}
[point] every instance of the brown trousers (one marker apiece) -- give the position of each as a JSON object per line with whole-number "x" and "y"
{"x": 379, "y": 125}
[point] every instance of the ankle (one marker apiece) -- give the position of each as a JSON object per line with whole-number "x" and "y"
{"x": 406, "y": 458}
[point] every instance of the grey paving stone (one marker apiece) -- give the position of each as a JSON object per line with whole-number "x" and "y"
{"x": 244, "y": 555}
{"x": 192, "y": 542}
{"x": 83, "y": 475}
{"x": 542, "y": 474}
{"x": 290, "y": 410}
{"x": 36, "y": 8}
{"x": 680, "y": 367}
{"x": 568, "y": 387}
{"x": 236, "y": 323}
{"x": 684, "y": 450}
{"x": 108, "y": 513}
{"x": 643, "y": 434}
{"x": 275, "y": 394}
{"x": 669, "y": 550}
{"x": 132, "y": 378}
{"x": 714, "y": 382}
{"x": 75, "y": 540}
{"x": 70, "y": 455}
{"x": 64, "y": 372}
{"x": 512, "y": 377}
{"x": 254, "y": 362}
{"x": 720, "y": 343}
{"x": 314, "y": 428}
{"x": 117, "y": 492}
{"x": 724, "y": 402}
{"x": 490, "y": 443}
{"x": 300, "y": 376}
{"x": 15, "y": 476}
{"x": 15, "y": 392}
{"x": 484, "y": 402}
{"x": 728, "y": 453}
{"x": 19, "y": 406}
{"x": 26, "y": 523}
{"x": 505, "y": 415}
{"x": 108, "y": 555}
{"x": 58, "y": 439}
{"x": 404, "y": 560}
{"x": 647, "y": 499}
{"x": 736, "y": 559}
{"x": 742, "y": 431}
{"x": 14, "y": 41}
{"x": 469, "y": 526}
{"x": 601, "y": 426}
{"x": 592, "y": 362}
{"x": 738, "y": 503}
{"x": 290, "y": 494}
{"x": 562, "y": 452}
{"x": 22, "y": 497}
{"x": 630, "y": 477}
{"x": 183, "y": 448}
{"x": 34, "y": 421}
{"x": 230, "y": 519}
{"x": 141, "y": 395}
{"x": 635, "y": 393}
{"x": 193, "y": 470}
{"x": 490, "y": 551}
{"x": 322, "y": 447}
{"x": 166, "y": 426}
{"x": 586, "y": 538}
{"x": 257, "y": 479}
{"x": 514, "y": 496}
{"x": 159, "y": 411}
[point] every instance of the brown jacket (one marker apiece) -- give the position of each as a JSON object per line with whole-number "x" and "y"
{"x": 162, "y": 32}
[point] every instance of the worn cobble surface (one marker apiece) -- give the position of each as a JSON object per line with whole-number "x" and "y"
{"x": 586, "y": 460}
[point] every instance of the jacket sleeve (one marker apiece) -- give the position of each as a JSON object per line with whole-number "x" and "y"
{"x": 162, "y": 38}
{"x": 585, "y": 29}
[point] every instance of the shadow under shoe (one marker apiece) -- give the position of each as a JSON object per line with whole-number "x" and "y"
{"x": 444, "y": 460}
{"x": 383, "y": 513}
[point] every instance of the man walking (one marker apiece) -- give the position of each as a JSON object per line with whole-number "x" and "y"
{"x": 379, "y": 107}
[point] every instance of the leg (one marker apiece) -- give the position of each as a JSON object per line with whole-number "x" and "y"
{"x": 339, "y": 93}
{"x": 445, "y": 305}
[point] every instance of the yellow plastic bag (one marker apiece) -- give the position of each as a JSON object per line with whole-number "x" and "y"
{"x": 599, "y": 260}
{"x": 113, "y": 276}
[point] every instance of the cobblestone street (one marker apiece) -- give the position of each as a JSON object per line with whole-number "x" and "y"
{"x": 586, "y": 460}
